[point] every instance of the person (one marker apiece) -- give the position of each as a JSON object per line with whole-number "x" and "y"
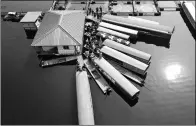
{"x": 97, "y": 10}
{"x": 90, "y": 10}
{"x": 100, "y": 8}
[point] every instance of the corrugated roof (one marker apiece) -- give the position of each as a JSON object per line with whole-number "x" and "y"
{"x": 69, "y": 27}
{"x": 56, "y": 37}
{"x": 74, "y": 24}
{"x": 31, "y": 16}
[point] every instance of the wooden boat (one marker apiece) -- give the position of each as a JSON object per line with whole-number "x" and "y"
{"x": 55, "y": 61}
{"x": 125, "y": 60}
{"x": 116, "y": 77}
{"x": 101, "y": 82}
{"x": 127, "y": 73}
{"x": 114, "y": 33}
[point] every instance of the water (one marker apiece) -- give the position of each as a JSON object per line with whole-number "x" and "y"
{"x": 32, "y": 95}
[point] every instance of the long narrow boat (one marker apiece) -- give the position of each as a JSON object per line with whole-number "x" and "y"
{"x": 139, "y": 55}
{"x": 189, "y": 10}
{"x": 84, "y": 98}
{"x": 142, "y": 20}
{"x": 125, "y": 60}
{"x": 112, "y": 32}
{"x": 154, "y": 29}
{"x": 108, "y": 36}
{"x": 133, "y": 33}
{"x": 51, "y": 62}
{"x": 101, "y": 82}
{"x": 116, "y": 77}
{"x": 127, "y": 73}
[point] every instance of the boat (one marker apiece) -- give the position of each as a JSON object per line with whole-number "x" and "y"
{"x": 125, "y": 60}
{"x": 84, "y": 98}
{"x": 101, "y": 82}
{"x": 137, "y": 54}
{"x": 55, "y": 61}
{"x": 116, "y": 77}
{"x": 108, "y": 36}
{"x": 189, "y": 10}
{"x": 133, "y": 33}
{"x": 114, "y": 33}
{"x": 127, "y": 73}
{"x": 142, "y": 26}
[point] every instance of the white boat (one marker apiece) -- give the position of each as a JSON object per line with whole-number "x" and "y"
{"x": 101, "y": 82}
{"x": 127, "y": 73}
{"x": 84, "y": 98}
{"x": 154, "y": 29}
{"x": 125, "y": 60}
{"x": 112, "y": 32}
{"x": 116, "y": 77}
{"x": 139, "y": 55}
{"x": 133, "y": 33}
{"x": 143, "y": 20}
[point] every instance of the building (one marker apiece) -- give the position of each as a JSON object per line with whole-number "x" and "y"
{"x": 61, "y": 33}
{"x": 31, "y": 23}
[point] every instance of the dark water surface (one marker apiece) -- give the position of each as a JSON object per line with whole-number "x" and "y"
{"x": 32, "y": 95}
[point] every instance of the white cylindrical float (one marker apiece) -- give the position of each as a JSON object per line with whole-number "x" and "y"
{"x": 142, "y": 56}
{"x": 118, "y": 79}
{"x": 133, "y": 33}
{"x": 143, "y": 20}
{"x": 159, "y": 30}
{"x": 84, "y": 99}
{"x": 125, "y": 61}
{"x": 112, "y": 32}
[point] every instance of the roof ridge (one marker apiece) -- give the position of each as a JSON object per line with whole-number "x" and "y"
{"x": 43, "y": 36}
{"x": 69, "y": 34}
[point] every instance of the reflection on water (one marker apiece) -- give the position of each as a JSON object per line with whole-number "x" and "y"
{"x": 173, "y": 71}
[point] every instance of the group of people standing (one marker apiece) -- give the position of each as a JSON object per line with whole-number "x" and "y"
{"x": 97, "y": 13}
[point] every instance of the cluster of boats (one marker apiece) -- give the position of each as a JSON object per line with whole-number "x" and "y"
{"x": 108, "y": 58}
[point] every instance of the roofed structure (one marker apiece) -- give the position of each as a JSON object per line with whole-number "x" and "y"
{"x": 31, "y": 17}
{"x": 60, "y": 28}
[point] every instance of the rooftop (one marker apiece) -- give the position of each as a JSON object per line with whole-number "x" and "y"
{"x": 60, "y": 28}
{"x": 31, "y": 16}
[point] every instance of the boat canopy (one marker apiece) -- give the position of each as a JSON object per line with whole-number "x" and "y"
{"x": 128, "y": 50}
{"x": 129, "y": 22}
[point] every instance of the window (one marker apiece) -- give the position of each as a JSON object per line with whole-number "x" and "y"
{"x": 65, "y": 47}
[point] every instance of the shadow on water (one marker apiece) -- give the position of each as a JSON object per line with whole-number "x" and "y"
{"x": 191, "y": 29}
{"x": 158, "y": 41}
